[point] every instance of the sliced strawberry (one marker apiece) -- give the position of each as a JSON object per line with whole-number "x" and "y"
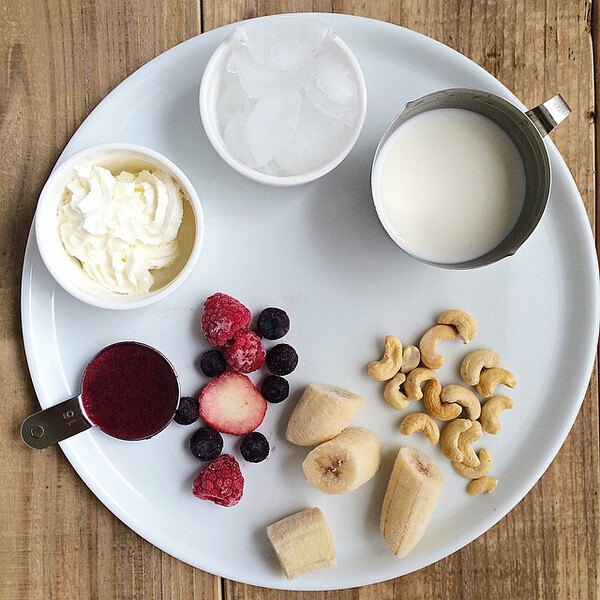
{"x": 231, "y": 404}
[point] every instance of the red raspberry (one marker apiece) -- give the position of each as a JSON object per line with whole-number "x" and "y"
{"x": 221, "y": 481}
{"x": 222, "y": 317}
{"x": 244, "y": 352}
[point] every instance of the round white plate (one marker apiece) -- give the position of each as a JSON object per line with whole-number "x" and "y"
{"x": 319, "y": 252}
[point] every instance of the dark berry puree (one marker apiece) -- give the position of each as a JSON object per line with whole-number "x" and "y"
{"x": 130, "y": 391}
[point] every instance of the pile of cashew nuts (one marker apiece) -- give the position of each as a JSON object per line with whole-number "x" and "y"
{"x": 406, "y": 369}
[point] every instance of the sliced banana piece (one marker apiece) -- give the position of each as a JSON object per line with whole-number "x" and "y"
{"x": 322, "y": 412}
{"x": 302, "y": 542}
{"x": 412, "y": 494}
{"x": 343, "y": 463}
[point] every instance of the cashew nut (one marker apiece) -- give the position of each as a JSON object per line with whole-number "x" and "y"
{"x": 483, "y": 484}
{"x": 485, "y": 464}
{"x": 491, "y": 410}
{"x": 423, "y": 423}
{"x": 463, "y": 321}
{"x": 428, "y": 345}
{"x": 475, "y": 361}
{"x": 459, "y": 394}
{"x": 434, "y": 406}
{"x": 470, "y": 436}
{"x": 390, "y": 364}
{"x": 449, "y": 438}
{"x": 411, "y": 357}
{"x": 392, "y": 394}
{"x": 414, "y": 379}
{"x": 490, "y": 378}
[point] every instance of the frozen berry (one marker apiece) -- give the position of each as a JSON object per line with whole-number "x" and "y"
{"x": 244, "y": 352}
{"x": 213, "y": 363}
{"x": 231, "y": 404}
{"x": 206, "y": 443}
{"x": 275, "y": 389}
{"x": 273, "y": 323}
{"x": 255, "y": 447}
{"x": 221, "y": 482}
{"x": 187, "y": 411}
{"x": 222, "y": 317}
{"x": 282, "y": 359}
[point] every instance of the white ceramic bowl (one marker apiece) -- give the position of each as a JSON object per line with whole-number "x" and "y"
{"x": 209, "y": 91}
{"x": 68, "y": 271}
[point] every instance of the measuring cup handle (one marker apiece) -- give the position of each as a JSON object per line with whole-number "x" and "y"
{"x": 549, "y": 114}
{"x": 57, "y": 423}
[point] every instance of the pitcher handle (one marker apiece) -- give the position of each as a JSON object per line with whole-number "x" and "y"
{"x": 549, "y": 114}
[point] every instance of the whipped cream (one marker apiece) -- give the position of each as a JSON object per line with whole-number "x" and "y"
{"x": 120, "y": 228}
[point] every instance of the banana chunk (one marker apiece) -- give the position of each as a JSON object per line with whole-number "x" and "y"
{"x": 302, "y": 542}
{"x": 343, "y": 463}
{"x": 412, "y": 494}
{"x": 322, "y": 412}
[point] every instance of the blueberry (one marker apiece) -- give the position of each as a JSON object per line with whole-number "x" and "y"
{"x": 282, "y": 359}
{"x": 275, "y": 389}
{"x": 255, "y": 447}
{"x": 206, "y": 443}
{"x": 187, "y": 411}
{"x": 273, "y": 323}
{"x": 213, "y": 363}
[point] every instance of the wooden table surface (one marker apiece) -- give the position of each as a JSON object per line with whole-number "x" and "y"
{"x": 58, "y": 59}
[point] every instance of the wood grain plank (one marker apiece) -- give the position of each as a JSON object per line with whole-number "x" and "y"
{"x": 549, "y": 545}
{"x": 216, "y": 14}
{"x": 595, "y": 27}
{"x": 58, "y": 60}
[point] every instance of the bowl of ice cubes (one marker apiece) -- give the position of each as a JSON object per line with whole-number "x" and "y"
{"x": 283, "y": 100}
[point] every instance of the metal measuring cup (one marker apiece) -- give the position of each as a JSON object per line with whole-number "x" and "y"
{"x": 526, "y": 130}
{"x": 70, "y": 417}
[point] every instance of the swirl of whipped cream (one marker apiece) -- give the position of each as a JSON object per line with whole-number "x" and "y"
{"x": 120, "y": 228}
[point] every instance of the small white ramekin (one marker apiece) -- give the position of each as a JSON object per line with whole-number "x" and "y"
{"x": 209, "y": 90}
{"x": 68, "y": 271}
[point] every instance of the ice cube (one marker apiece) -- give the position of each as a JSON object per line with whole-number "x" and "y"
{"x": 233, "y": 100}
{"x": 258, "y": 80}
{"x": 272, "y": 168}
{"x": 332, "y": 89}
{"x": 317, "y": 140}
{"x": 284, "y": 43}
{"x": 235, "y": 141}
{"x": 271, "y": 125}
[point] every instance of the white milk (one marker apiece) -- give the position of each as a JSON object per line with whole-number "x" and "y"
{"x": 451, "y": 184}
